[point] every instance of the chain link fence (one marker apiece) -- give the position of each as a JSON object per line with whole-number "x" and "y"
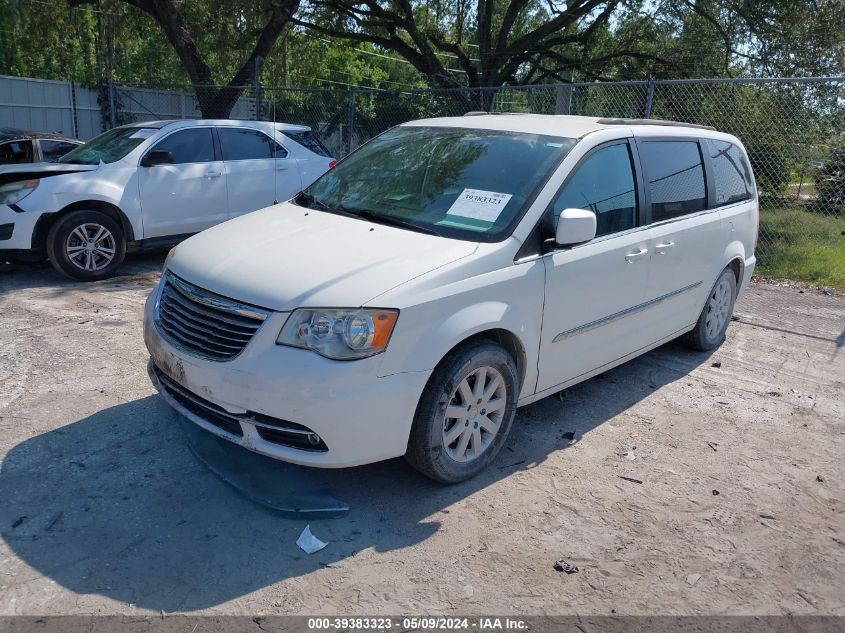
{"x": 793, "y": 129}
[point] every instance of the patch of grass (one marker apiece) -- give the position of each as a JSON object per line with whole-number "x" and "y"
{"x": 799, "y": 244}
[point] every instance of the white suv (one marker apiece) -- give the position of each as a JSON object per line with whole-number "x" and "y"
{"x": 148, "y": 184}
{"x": 446, "y": 273}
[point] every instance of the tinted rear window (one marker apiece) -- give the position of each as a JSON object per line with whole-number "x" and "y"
{"x": 731, "y": 173}
{"x": 15, "y": 152}
{"x": 675, "y": 178}
{"x": 243, "y": 144}
{"x": 309, "y": 141}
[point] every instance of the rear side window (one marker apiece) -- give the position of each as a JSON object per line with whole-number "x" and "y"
{"x": 243, "y": 144}
{"x": 675, "y": 178}
{"x": 51, "y": 151}
{"x": 731, "y": 173}
{"x": 15, "y": 152}
{"x": 603, "y": 184}
{"x": 309, "y": 141}
{"x": 189, "y": 146}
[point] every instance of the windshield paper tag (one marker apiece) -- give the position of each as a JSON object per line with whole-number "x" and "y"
{"x": 479, "y": 205}
{"x": 144, "y": 133}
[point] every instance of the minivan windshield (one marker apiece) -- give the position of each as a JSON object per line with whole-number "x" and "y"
{"x": 109, "y": 146}
{"x": 456, "y": 182}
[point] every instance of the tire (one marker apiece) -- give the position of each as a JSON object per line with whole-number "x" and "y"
{"x": 709, "y": 330}
{"x": 86, "y": 259}
{"x": 470, "y": 451}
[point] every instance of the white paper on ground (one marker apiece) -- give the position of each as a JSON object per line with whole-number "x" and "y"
{"x": 309, "y": 543}
{"x": 479, "y": 205}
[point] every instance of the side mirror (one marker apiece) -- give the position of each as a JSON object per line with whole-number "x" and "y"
{"x": 157, "y": 157}
{"x": 575, "y": 226}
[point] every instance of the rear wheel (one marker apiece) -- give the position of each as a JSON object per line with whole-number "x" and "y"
{"x": 86, "y": 245}
{"x": 465, "y": 413}
{"x": 709, "y": 330}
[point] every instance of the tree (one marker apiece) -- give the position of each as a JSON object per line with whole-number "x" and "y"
{"x": 215, "y": 101}
{"x": 491, "y": 42}
{"x": 775, "y": 38}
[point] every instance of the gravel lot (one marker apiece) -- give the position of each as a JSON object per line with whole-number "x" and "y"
{"x": 741, "y": 509}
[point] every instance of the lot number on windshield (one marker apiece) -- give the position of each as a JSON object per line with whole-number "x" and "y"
{"x": 479, "y": 205}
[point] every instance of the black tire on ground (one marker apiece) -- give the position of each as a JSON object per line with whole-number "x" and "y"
{"x": 66, "y": 234}
{"x": 719, "y": 306}
{"x": 427, "y": 451}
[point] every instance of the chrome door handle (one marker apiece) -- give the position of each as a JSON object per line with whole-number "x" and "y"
{"x": 663, "y": 247}
{"x": 213, "y": 174}
{"x": 632, "y": 257}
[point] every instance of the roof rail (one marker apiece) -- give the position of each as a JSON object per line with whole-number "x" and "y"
{"x": 478, "y": 113}
{"x": 653, "y": 122}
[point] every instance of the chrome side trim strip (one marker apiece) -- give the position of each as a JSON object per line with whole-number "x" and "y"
{"x": 618, "y": 315}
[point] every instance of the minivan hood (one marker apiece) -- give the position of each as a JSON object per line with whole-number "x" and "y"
{"x": 285, "y": 257}
{"x": 15, "y": 173}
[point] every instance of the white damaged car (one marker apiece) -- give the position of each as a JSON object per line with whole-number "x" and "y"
{"x": 446, "y": 273}
{"x": 146, "y": 185}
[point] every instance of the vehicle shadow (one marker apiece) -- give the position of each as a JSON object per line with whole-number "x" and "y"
{"x": 116, "y": 505}
{"x": 137, "y": 269}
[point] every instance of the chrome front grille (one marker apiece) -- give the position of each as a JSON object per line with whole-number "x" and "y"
{"x": 203, "y": 323}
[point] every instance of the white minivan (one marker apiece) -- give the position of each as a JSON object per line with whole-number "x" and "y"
{"x": 150, "y": 184}
{"x": 445, "y": 273}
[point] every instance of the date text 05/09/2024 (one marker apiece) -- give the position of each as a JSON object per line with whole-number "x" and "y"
{"x": 417, "y": 624}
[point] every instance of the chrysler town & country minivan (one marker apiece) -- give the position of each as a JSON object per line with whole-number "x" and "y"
{"x": 446, "y": 273}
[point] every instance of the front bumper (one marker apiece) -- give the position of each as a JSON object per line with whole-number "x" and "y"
{"x": 19, "y": 237}
{"x": 360, "y": 417}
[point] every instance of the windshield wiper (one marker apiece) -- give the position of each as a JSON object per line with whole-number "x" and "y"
{"x": 391, "y": 221}
{"x": 311, "y": 202}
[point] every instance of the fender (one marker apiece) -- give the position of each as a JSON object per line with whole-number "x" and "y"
{"x": 428, "y": 331}
{"x": 734, "y": 255}
{"x": 440, "y": 339}
{"x": 113, "y": 191}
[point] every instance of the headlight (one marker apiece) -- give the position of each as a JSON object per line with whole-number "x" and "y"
{"x": 13, "y": 192}
{"x": 341, "y": 334}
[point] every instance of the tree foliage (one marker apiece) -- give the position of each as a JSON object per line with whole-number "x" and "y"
{"x": 256, "y": 26}
{"x": 414, "y": 43}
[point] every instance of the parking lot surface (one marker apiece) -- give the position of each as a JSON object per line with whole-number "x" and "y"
{"x": 694, "y": 483}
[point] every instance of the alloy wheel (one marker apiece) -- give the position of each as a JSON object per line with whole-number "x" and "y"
{"x": 90, "y": 246}
{"x": 718, "y": 309}
{"x": 474, "y": 414}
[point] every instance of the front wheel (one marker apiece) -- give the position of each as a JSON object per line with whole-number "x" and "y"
{"x": 709, "y": 330}
{"x": 86, "y": 245}
{"x": 465, "y": 413}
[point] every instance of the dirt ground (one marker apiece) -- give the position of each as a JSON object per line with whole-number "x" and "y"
{"x": 741, "y": 509}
